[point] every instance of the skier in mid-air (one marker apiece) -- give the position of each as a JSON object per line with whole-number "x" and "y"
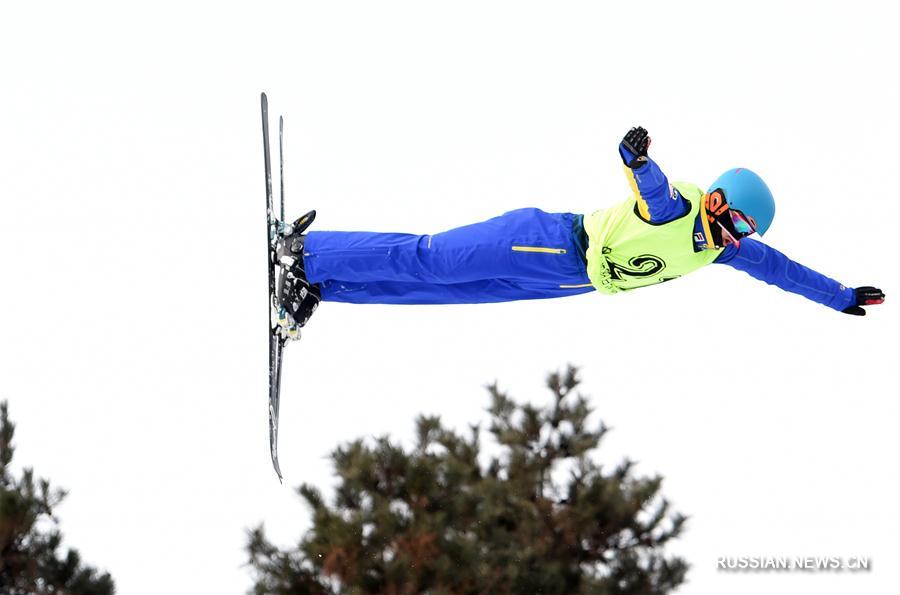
{"x": 661, "y": 232}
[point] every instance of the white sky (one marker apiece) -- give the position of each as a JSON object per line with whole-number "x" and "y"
{"x": 131, "y": 236}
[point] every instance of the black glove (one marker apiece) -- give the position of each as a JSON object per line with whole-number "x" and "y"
{"x": 865, "y": 296}
{"x": 636, "y": 142}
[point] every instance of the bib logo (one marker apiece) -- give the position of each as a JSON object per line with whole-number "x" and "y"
{"x": 645, "y": 265}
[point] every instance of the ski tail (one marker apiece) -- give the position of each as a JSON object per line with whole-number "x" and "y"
{"x": 276, "y": 352}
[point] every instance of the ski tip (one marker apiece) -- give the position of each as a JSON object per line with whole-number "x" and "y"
{"x": 263, "y": 99}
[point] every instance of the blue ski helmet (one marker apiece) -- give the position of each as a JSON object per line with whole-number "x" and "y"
{"x": 746, "y": 192}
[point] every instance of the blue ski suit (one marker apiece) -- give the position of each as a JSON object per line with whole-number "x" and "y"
{"x": 522, "y": 254}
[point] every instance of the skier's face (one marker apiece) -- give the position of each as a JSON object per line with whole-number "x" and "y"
{"x": 727, "y": 238}
{"x": 727, "y": 225}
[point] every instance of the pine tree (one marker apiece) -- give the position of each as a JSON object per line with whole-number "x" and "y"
{"x": 540, "y": 517}
{"x": 29, "y": 538}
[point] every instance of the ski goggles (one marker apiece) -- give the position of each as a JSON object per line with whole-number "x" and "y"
{"x": 744, "y": 225}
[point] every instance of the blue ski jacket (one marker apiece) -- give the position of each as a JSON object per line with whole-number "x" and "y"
{"x": 659, "y": 202}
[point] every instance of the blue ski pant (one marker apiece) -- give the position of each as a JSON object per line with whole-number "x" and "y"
{"x": 521, "y": 255}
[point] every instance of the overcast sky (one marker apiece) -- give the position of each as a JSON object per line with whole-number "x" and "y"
{"x": 131, "y": 239}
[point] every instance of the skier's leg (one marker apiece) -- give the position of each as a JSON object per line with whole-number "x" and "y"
{"x": 472, "y": 292}
{"x": 527, "y": 245}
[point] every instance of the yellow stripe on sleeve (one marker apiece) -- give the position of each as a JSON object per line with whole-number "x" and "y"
{"x": 643, "y": 209}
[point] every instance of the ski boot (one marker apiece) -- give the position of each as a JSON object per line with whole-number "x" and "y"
{"x": 296, "y": 296}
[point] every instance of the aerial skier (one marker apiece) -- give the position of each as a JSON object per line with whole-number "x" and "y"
{"x": 661, "y": 232}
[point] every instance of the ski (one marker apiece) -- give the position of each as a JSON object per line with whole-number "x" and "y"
{"x": 274, "y": 227}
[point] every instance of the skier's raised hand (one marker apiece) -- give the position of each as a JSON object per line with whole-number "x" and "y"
{"x": 865, "y": 296}
{"x": 634, "y": 147}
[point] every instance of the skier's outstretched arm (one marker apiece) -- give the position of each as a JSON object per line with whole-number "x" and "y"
{"x": 768, "y": 264}
{"x": 657, "y": 201}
